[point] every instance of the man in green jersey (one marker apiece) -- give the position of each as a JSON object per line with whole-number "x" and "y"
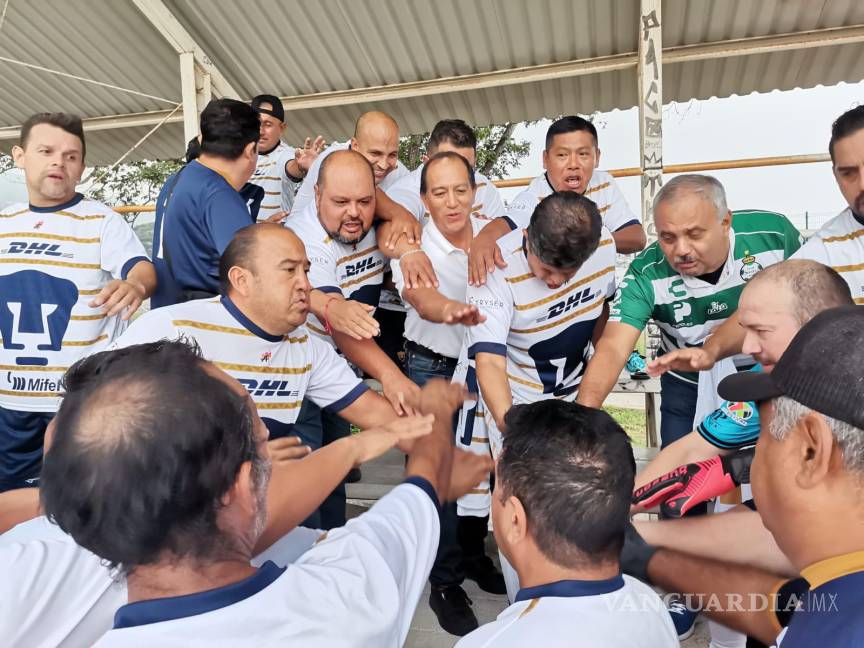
{"x": 688, "y": 282}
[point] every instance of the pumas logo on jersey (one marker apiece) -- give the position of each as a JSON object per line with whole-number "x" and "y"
{"x": 577, "y": 298}
{"x": 750, "y": 267}
{"x": 268, "y": 388}
{"x": 35, "y": 249}
{"x": 363, "y": 265}
{"x": 265, "y": 357}
{"x": 717, "y": 307}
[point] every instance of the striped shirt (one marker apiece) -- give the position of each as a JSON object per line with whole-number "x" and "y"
{"x": 544, "y": 333}
{"x": 840, "y": 245}
{"x": 53, "y": 263}
{"x": 602, "y": 189}
{"x": 270, "y": 175}
{"x": 278, "y": 371}
{"x": 687, "y": 309}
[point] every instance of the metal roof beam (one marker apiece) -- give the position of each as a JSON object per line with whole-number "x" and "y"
{"x": 670, "y": 56}
{"x": 181, "y": 40}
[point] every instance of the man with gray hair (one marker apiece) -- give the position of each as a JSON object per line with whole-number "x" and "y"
{"x": 806, "y": 479}
{"x": 688, "y": 282}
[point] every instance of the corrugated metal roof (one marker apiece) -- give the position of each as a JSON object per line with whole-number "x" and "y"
{"x": 299, "y": 48}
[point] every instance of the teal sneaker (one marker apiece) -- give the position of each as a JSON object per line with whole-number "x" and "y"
{"x": 636, "y": 366}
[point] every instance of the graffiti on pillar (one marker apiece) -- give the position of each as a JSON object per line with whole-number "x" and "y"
{"x": 651, "y": 112}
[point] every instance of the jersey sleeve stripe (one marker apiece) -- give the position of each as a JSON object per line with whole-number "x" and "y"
{"x": 77, "y": 343}
{"x": 567, "y": 290}
{"x": 599, "y": 187}
{"x": 849, "y": 268}
{"x": 424, "y": 485}
{"x": 204, "y": 326}
{"x": 569, "y": 317}
{"x": 519, "y": 278}
{"x": 338, "y": 405}
{"x": 527, "y": 383}
{"x": 844, "y": 237}
{"x": 131, "y": 263}
{"x": 628, "y": 224}
{"x": 281, "y": 405}
{"x": 487, "y": 347}
{"x": 88, "y": 318}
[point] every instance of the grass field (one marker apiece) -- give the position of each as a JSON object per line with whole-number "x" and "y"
{"x": 632, "y": 420}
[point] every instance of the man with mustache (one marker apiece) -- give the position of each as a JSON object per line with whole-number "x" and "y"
{"x": 688, "y": 282}
{"x": 345, "y": 274}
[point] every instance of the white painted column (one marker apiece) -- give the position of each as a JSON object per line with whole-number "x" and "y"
{"x": 189, "y": 95}
{"x": 650, "y": 76}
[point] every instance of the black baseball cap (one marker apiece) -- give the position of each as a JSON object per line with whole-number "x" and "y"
{"x": 823, "y": 369}
{"x": 276, "y": 110}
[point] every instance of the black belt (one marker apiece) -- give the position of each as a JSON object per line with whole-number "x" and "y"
{"x": 419, "y": 349}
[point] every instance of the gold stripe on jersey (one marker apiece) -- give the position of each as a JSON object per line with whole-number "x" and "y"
{"x": 13, "y": 214}
{"x": 374, "y": 273}
{"x": 571, "y": 316}
{"x": 283, "y": 405}
{"x": 478, "y": 439}
{"x": 604, "y": 242}
{"x": 477, "y": 207}
{"x": 519, "y": 278}
{"x": 317, "y": 330}
{"x": 294, "y": 371}
{"x": 51, "y": 237}
{"x": 480, "y": 184}
{"x": 7, "y": 392}
{"x": 267, "y": 178}
{"x": 204, "y": 326}
{"x": 90, "y": 291}
{"x": 356, "y": 255}
{"x": 274, "y": 206}
{"x": 478, "y": 491}
{"x": 844, "y": 237}
{"x": 61, "y": 264}
{"x": 77, "y": 343}
{"x": 604, "y": 208}
{"x": 31, "y": 368}
{"x": 85, "y": 217}
{"x": 527, "y": 383}
{"x": 530, "y": 608}
{"x": 859, "y": 300}
{"x": 272, "y": 193}
{"x": 599, "y": 187}
{"x": 88, "y": 318}
{"x": 562, "y": 293}
{"x": 849, "y": 268}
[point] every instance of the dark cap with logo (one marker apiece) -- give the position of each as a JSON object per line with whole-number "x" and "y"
{"x": 822, "y": 369}
{"x": 276, "y": 109}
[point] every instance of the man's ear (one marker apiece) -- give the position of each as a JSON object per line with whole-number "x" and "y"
{"x": 242, "y": 492}
{"x": 240, "y": 280}
{"x": 18, "y": 156}
{"x": 815, "y": 448}
{"x": 517, "y": 520}
{"x": 251, "y": 151}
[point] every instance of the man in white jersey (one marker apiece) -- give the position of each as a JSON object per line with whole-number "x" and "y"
{"x": 560, "y": 509}
{"x": 544, "y": 311}
{"x": 434, "y": 330}
{"x": 72, "y": 274}
{"x": 840, "y": 242}
{"x": 56, "y": 592}
{"x": 280, "y": 168}
{"x": 570, "y": 159}
{"x": 192, "y": 510}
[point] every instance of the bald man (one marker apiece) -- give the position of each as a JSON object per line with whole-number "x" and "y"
{"x": 256, "y": 332}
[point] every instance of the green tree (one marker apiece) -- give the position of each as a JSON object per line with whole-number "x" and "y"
{"x": 134, "y": 183}
{"x": 497, "y": 151}
{"x": 6, "y": 162}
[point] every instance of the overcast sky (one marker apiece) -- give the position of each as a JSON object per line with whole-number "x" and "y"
{"x": 757, "y": 125}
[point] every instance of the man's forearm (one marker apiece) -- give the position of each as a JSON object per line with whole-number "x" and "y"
{"x": 17, "y": 506}
{"x": 367, "y": 355}
{"x": 733, "y": 595}
{"x": 299, "y": 487}
{"x": 428, "y": 302}
{"x": 727, "y": 339}
{"x": 144, "y": 274}
{"x": 431, "y": 456}
{"x": 630, "y": 239}
{"x": 318, "y": 302}
{"x": 382, "y": 233}
{"x": 738, "y": 535}
{"x": 602, "y": 374}
{"x": 494, "y": 385}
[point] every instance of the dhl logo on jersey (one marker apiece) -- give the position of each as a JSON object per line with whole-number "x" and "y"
{"x": 35, "y": 248}
{"x": 578, "y": 298}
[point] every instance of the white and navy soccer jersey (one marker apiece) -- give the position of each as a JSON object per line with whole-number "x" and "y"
{"x": 839, "y": 244}
{"x": 53, "y": 263}
{"x": 406, "y": 192}
{"x": 271, "y": 176}
{"x": 544, "y": 333}
{"x": 602, "y": 189}
{"x": 353, "y": 271}
{"x": 279, "y": 371}
{"x": 619, "y": 612}
{"x": 306, "y": 194}
{"x": 358, "y": 588}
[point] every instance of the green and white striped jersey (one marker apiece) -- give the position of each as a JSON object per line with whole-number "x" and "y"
{"x": 687, "y": 309}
